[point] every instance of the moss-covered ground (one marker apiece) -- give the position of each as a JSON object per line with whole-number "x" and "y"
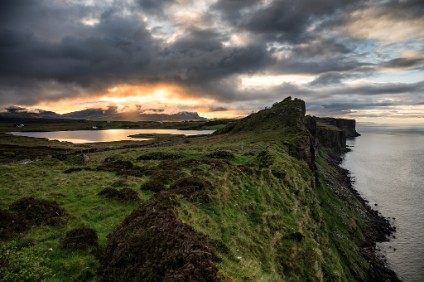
{"x": 270, "y": 219}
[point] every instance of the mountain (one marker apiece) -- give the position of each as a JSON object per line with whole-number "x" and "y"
{"x": 111, "y": 114}
{"x": 100, "y": 114}
{"x": 30, "y": 115}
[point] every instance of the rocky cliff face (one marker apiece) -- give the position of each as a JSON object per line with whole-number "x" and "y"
{"x": 347, "y": 125}
{"x": 331, "y": 132}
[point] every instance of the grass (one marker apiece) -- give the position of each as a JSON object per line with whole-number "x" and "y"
{"x": 77, "y": 194}
{"x": 266, "y": 218}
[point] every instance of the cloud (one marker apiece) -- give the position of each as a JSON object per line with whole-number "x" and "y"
{"x": 280, "y": 20}
{"x": 155, "y": 6}
{"x": 15, "y": 109}
{"x": 388, "y": 21}
{"x": 329, "y": 78}
{"x": 72, "y": 50}
{"x": 405, "y": 63}
{"x": 217, "y": 109}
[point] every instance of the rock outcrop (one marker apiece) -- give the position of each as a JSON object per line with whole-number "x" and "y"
{"x": 348, "y": 126}
{"x": 331, "y": 132}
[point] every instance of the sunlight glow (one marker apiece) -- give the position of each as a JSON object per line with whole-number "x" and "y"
{"x": 90, "y": 21}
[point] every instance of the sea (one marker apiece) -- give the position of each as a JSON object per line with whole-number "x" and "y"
{"x": 387, "y": 165}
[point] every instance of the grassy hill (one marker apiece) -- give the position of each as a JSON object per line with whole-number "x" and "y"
{"x": 262, "y": 199}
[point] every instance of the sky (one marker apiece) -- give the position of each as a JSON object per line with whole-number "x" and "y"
{"x": 220, "y": 58}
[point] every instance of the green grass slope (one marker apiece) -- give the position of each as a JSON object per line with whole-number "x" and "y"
{"x": 274, "y": 210}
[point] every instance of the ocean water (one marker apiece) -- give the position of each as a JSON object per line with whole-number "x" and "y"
{"x": 387, "y": 164}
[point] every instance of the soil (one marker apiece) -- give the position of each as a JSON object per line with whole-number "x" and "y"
{"x": 153, "y": 186}
{"x": 30, "y": 211}
{"x": 222, "y": 155}
{"x": 123, "y": 195}
{"x": 165, "y": 176}
{"x": 12, "y": 153}
{"x": 151, "y": 244}
{"x": 121, "y": 168}
{"x": 192, "y": 188}
{"x": 128, "y": 194}
{"x": 73, "y": 169}
{"x": 158, "y": 156}
{"x": 80, "y": 239}
{"x": 9, "y": 224}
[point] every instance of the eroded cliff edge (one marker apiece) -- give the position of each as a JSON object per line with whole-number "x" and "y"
{"x": 265, "y": 200}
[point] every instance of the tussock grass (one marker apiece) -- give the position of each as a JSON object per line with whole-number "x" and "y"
{"x": 268, "y": 216}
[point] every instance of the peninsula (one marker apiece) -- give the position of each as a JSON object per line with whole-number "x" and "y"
{"x": 261, "y": 199}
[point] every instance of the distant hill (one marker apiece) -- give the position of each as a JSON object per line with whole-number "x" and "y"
{"x": 111, "y": 114}
{"x": 101, "y": 114}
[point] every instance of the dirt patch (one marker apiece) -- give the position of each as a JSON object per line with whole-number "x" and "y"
{"x": 129, "y": 195}
{"x": 192, "y": 188}
{"x": 153, "y": 186}
{"x": 123, "y": 182}
{"x": 165, "y": 176}
{"x": 169, "y": 165}
{"x": 159, "y": 156}
{"x": 123, "y": 195}
{"x": 297, "y": 236}
{"x": 222, "y": 155}
{"x": 199, "y": 172}
{"x": 14, "y": 153}
{"x": 265, "y": 158}
{"x": 72, "y": 170}
{"x": 83, "y": 238}
{"x": 151, "y": 244}
{"x": 30, "y": 212}
{"x": 279, "y": 173}
{"x": 9, "y": 224}
{"x": 120, "y": 167}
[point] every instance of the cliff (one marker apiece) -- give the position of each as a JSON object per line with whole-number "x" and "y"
{"x": 348, "y": 126}
{"x": 326, "y": 132}
{"x": 263, "y": 199}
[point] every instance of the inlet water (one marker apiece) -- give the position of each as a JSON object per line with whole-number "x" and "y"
{"x": 108, "y": 135}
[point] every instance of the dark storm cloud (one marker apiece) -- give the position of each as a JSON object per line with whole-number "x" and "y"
{"x": 234, "y": 9}
{"x": 118, "y": 49}
{"x": 404, "y": 8}
{"x": 14, "y": 109}
{"x": 329, "y": 79}
{"x": 319, "y": 65}
{"x": 197, "y": 40}
{"x": 405, "y": 63}
{"x": 55, "y": 49}
{"x": 281, "y": 20}
{"x": 386, "y": 89}
{"x": 157, "y": 7}
{"x": 322, "y": 47}
{"x": 28, "y": 91}
{"x": 415, "y": 90}
{"x": 217, "y": 109}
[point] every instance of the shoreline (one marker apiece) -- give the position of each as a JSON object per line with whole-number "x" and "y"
{"x": 379, "y": 230}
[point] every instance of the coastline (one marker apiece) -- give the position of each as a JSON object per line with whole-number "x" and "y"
{"x": 379, "y": 230}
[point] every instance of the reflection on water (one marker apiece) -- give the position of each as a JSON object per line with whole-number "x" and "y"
{"x": 388, "y": 165}
{"x": 109, "y": 135}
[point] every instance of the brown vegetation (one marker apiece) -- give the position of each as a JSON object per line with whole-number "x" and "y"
{"x": 82, "y": 238}
{"x": 123, "y": 195}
